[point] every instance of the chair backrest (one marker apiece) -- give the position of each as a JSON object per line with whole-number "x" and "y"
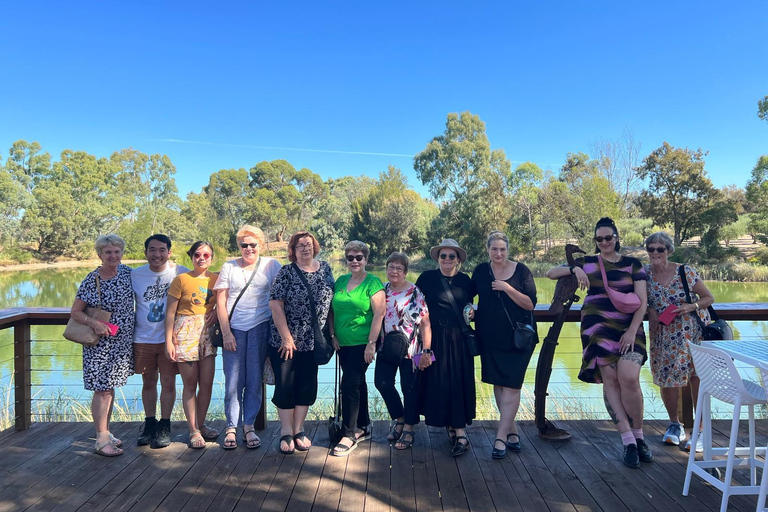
{"x": 719, "y": 376}
{"x": 764, "y": 374}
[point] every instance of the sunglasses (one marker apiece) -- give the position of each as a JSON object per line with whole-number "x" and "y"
{"x": 600, "y": 239}
{"x": 356, "y": 257}
{"x": 656, "y": 249}
{"x": 252, "y": 246}
{"x": 204, "y": 255}
{"x": 449, "y": 256}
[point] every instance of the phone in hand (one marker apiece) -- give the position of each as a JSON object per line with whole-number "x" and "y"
{"x": 112, "y": 328}
{"x": 668, "y": 314}
{"x": 417, "y": 358}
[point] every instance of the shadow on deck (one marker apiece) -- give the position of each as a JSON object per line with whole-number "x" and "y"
{"x": 51, "y": 467}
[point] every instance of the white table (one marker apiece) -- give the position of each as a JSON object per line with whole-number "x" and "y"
{"x": 751, "y": 352}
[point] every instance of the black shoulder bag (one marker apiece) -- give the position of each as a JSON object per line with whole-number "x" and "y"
{"x": 217, "y": 337}
{"x": 524, "y": 337}
{"x": 718, "y": 329}
{"x": 470, "y": 340}
{"x": 323, "y": 349}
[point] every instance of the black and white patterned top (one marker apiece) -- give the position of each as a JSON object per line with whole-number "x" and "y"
{"x": 288, "y": 288}
{"x": 109, "y": 363}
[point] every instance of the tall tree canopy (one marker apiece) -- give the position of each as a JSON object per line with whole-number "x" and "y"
{"x": 679, "y": 191}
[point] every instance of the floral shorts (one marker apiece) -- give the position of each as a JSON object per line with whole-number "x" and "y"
{"x": 193, "y": 342}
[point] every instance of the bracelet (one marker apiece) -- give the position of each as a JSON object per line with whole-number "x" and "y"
{"x": 371, "y": 342}
{"x": 697, "y": 305}
{"x": 426, "y": 351}
{"x": 573, "y": 269}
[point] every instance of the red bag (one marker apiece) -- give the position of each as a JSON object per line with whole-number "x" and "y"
{"x": 624, "y": 302}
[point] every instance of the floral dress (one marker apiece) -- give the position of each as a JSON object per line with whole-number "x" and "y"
{"x": 671, "y": 364}
{"x": 405, "y": 310}
{"x": 109, "y": 363}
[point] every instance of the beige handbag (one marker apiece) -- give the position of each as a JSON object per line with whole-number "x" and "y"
{"x": 81, "y": 333}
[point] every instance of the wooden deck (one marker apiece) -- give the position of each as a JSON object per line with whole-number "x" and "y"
{"x": 50, "y": 467}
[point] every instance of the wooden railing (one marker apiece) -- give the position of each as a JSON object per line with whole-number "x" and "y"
{"x": 21, "y": 320}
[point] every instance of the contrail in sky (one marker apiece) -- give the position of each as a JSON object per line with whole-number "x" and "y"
{"x": 282, "y": 149}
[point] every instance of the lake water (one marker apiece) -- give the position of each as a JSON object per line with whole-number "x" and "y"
{"x": 57, "y": 379}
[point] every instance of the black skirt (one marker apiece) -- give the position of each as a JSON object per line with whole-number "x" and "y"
{"x": 504, "y": 367}
{"x": 448, "y": 386}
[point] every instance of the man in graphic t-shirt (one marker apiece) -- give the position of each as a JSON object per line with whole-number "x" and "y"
{"x": 150, "y": 287}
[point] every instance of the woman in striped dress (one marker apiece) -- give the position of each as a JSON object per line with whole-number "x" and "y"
{"x": 613, "y": 342}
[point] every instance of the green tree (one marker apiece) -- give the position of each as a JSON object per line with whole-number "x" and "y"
{"x": 228, "y": 191}
{"x": 392, "y": 217}
{"x": 27, "y": 164}
{"x": 679, "y": 190}
{"x": 469, "y": 179}
{"x": 524, "y": 184}
{"x": 762, "y": 108}
{"x": 757, "y": 199}
{"x": 734, "y": 230}
{"x": 333, "y": 222}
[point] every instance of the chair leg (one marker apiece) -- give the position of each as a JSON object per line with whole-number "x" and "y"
{"x": 752, "y": 466}
{"x": 731, "y": 455}
{"x": 692, "y": 455}
{"x": 763, "y": 488}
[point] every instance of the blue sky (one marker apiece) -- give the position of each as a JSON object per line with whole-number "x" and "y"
{"x": 365, "y": 85}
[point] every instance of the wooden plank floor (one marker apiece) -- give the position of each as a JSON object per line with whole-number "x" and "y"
{"x": 51, "y": 467}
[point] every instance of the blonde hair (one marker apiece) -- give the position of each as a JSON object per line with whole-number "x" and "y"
{"x": 106, "y": 240}
{"x": 248, "y": 230}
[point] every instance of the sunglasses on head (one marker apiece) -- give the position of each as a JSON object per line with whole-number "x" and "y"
{"x": 655, "y": 249}
{"x": 608, "y": 238}
{"x": 252, "y": 246}
{"x": 204, "y": 255}
{"x": 355, "y": 257}
{"x": 449, "y": 256}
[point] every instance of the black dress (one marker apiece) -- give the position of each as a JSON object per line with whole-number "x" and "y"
{"x": 448, "y": 386}
{"x": 502, "y": 364}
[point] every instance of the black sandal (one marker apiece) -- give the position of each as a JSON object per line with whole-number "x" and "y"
{"x": 365, "y": 435}
{"x": 514, "y": 447}
{"x": 287, "y": 439}
{"x": 459, "y": 448}
{"x": 300, "y": 437}
{"x": 394, "y": 435}
{"x": 344, "y": 449}
{"x": 451, "y": 435}
{"x": 406, "y": 443}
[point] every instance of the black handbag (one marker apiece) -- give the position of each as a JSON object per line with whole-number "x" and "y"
{"x": 335, "y": 427}
{"x": 471, "y": 341}
{"x": 715, "y": 331}
{"x": 524, "y": 336}
{"x": 217, "y": 337}
{"x": 394, "y": 347}
{"x": 323, "y": 346}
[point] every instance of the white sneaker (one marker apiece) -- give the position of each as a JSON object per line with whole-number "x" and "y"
{"x": 674, "y": 435}
{"x": 699, "y": 444}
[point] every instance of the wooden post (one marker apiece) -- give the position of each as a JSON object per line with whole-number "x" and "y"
{"x": 261, "y": 418}
{"x": 22, "y": 376}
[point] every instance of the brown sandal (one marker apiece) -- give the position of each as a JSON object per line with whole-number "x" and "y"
{"x": 230, "y": 439}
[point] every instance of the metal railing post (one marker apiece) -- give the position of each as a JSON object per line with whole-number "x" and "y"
{"x": 22, "y": 376}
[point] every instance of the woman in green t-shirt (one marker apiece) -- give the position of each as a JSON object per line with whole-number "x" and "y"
{"x": 359, "y": 304}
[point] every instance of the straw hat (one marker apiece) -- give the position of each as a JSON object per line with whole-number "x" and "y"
{"x": 448, "y": 243}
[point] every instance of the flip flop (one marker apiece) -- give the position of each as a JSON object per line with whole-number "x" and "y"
{"x": 300, "y": 437}
{"x": 287, "y": 439}
{"x": 99, "y": 449}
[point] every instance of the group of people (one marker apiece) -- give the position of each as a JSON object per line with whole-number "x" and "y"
{"x": 164, "y": 313}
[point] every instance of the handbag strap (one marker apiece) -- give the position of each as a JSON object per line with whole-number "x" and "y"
{"x": 304, "y": 281}
{"x": 684, "y": 280}
{"x": 602, "y": 271}
{"x": 503, "y": 305}
{"x": 255, "y": 268}
{"x": 98, "y": 287}
{"x": 456, "y": 310}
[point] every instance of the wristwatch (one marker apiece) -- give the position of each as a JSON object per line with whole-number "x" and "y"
{"x": 572, "y": 268}
{"x": 371, "y": 342}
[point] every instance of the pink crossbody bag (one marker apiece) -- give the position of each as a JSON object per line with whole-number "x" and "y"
{"x": 624, "y": 302}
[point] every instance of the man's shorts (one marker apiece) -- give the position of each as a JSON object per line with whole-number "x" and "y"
{"x": 148, "y": 358}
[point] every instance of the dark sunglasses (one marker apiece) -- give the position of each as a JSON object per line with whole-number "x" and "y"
{"x": 449, "y": 256}
{"x": 655, "y": 249}
{"x": 356, "y": 257}
{"x": 600, "y": 239}
{"x": 252, "y": 246}
{"x": 203, "y": 255}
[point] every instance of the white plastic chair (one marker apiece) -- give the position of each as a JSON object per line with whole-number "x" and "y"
{"x": 764, "y": 480}
{"x": 720, "y": 379}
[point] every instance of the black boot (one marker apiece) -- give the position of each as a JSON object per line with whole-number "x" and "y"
{"x": 163, "y": 435}
{"x": 148, "y": 434}
{"x": 643, "y": 451}
{"x": 631, "y": 457}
